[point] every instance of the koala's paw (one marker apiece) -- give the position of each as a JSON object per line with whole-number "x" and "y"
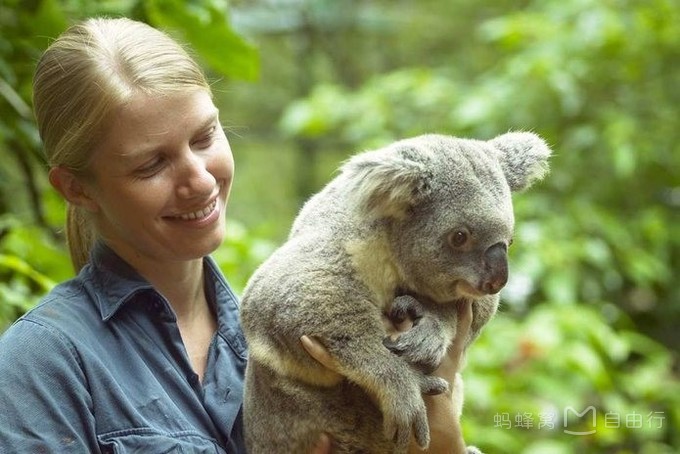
{"x": 404, "y": 412}
{"x": 431, "y": 385}
{"x": 401, "y": 419}
{"x": 425, "y": 344}
{"x": 405, "y": 306}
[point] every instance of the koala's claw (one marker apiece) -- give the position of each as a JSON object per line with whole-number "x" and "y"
{"x": 431, "y": 386}
{"x": 404, "y": 412}
{"x": 400, "y": 434}
{"x": 395, "y": 346}
{"x": 425, "y": 344}
{"x": 421, "y": 433}
{"x": 405, "y": 306}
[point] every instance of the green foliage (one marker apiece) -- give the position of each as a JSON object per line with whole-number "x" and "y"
{"x": 31, "y": 262}
{"x": 525, "y": 376}
{"x": 203, "y": 24}
{"x": 387, "y": 107}
{"x": 241, "y": 253}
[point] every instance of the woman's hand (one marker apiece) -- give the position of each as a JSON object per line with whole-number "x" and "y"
{"x": 322, "y": 446}
{"x": 443, "y": 410}
{"x": 316, "y": 350}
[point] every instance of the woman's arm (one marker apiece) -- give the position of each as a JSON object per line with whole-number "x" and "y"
{"x": 444, "y": 410}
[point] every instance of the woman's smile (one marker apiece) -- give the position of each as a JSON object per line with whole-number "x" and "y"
{"x": 199, "y": 215}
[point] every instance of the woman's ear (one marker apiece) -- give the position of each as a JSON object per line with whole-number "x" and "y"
{"x": 72, "y": 188}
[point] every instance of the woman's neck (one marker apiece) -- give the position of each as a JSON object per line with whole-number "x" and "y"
{"x": 182, "y": 284}
{"x": 179, "y": 281}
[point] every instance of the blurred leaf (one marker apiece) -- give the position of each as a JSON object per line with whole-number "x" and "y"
{"x": 18, "y": 266}
{"x": 205, "y": 25}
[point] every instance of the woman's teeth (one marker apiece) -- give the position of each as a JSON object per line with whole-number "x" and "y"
{"x": 199, "y": 214}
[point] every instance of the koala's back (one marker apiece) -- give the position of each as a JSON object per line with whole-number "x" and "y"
{"x": 307, "y": 287}
{"x": 327, "y": 213}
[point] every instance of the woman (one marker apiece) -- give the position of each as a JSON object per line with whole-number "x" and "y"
{"x": 142, "y": 351}
{"x": 125, "y": 357}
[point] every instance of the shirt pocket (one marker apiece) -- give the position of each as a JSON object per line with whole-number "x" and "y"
{"x": 144, "y": 441}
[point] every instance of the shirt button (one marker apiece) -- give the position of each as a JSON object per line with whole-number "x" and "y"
{"x": 166, "y": 316}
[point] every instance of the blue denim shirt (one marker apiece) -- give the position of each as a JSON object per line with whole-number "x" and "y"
{"x": 99, "y": 366}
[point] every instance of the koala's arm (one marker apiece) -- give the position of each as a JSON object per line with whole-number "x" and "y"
{"x": 443, "y": 410}
{"x": 396, "y": 387}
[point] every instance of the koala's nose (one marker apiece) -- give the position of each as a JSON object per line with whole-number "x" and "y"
{"x": 496, "y": 264}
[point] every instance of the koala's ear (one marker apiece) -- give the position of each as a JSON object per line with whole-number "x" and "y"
{"x": 385, "y": 185}
{"x": 523, "y": 157}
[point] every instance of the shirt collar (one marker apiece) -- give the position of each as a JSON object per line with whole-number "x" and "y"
{"x": 111, "y": 280}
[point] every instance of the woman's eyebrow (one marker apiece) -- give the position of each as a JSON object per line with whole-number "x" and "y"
{"x": 210, "y": 120}
{"x": 142, "y": 153}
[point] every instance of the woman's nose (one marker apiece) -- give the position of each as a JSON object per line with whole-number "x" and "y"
{"x": 194, "y": 177}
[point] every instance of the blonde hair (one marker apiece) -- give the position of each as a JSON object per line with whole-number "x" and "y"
{"x": 87, "y": 72}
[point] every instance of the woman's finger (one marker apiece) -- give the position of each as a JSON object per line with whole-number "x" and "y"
{"x": 323, "y": 445}
{"x": 316, "y": 350}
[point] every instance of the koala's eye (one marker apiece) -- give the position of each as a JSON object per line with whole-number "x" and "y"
{"x": 459, "y": 238}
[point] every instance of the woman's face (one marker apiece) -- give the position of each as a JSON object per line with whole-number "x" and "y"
{"x": 161, "y": 178}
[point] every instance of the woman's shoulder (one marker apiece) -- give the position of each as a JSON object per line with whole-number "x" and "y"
{"x": 33, "y": 344}
{"x": 58, "y": 317}
{"x": 70, "y": 302}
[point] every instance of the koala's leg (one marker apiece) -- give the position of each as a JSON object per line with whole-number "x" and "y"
{"x": 284, "y": 416}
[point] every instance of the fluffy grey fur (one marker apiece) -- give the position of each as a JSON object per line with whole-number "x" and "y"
{"x": 420, "y": 224}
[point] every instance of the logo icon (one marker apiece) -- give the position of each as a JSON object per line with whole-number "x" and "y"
{"x": 593, "y": 423}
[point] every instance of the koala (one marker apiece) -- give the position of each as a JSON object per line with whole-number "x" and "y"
{"x": 416, "y": 229}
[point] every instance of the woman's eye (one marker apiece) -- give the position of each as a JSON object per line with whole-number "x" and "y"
{"x": 206, "y": 139}
{"x": 150, "y": 169}
{"x": 459, "y": 238}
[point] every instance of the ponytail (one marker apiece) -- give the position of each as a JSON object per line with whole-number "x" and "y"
{"x": 80, "y": 236}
